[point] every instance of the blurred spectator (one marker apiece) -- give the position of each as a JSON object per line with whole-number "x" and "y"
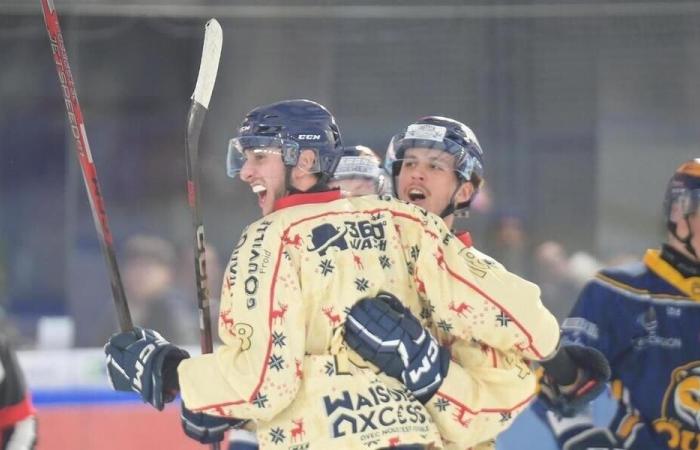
{"x": 561, "y": 276}
{"x": 148, "y": 274}
{"x": 582, "y": 268}
{"x": 509, "y": 244}
{"x": 552, "y": 274}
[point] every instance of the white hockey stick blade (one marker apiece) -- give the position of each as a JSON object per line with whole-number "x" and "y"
{"x": 211, "y": 52}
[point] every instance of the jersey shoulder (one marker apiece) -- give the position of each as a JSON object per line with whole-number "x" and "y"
{"x": 636, "y": 280}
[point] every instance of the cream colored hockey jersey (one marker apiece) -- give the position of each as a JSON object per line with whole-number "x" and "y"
{"x": 288, "y": 286}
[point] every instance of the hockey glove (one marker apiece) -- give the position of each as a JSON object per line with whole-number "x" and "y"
{"x": 567, "y": 397}
{"x": 578, "y": 432}
{"x": 385, "y": 333}
{"x": 141, "y": 360}
{"x": 205, "y": 428}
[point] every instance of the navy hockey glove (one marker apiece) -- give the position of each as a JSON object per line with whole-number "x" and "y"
{"x": 205, "y": 428}
{"x": 572, "y": 378}
{"x": 385, "y": 333}
{"x": 141, "y": 360}
{"x": 578, "y": 432}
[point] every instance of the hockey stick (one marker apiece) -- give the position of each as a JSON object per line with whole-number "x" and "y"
{"x": 87, "y": 167}
{"x": 208, "y": 67}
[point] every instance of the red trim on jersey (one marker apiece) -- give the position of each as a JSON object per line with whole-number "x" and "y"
{"x": 465, "y": 238}
{"x": 263, "y": 372}
{"x": 477, "y": 290}
{"x": 490, "y": 299}
{"x": 12, "y": 414}
{"x": 451, "y": 272}
{"x": 306, "y": 198}
{"x": 487, "y": 410}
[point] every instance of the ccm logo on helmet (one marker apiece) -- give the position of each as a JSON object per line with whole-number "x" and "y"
{"x": 309, "y": 137}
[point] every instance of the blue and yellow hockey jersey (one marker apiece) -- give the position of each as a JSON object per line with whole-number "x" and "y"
{"x": 645, "y": 318}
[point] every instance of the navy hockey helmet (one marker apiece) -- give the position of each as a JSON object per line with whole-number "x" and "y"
{"x": 683, "y": 192}
{"x": 444, "y": 134}
{"x": 684, "y": 189}
{"x": 287, "y": 127}
{"x": 448, "y": 135}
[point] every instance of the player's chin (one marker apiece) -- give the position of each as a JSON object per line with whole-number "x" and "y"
{"x": 267, "y": 204}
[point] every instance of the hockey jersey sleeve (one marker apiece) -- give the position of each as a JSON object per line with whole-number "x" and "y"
{"x": 594, "y": 311}
{"x": 474, "y": 297}
{"x": 483, "y": 391}
{"x": 252, "y": 376}
{"x": 494, "y": 322}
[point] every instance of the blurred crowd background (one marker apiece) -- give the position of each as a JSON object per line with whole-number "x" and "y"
{"x": 583, "y": 108}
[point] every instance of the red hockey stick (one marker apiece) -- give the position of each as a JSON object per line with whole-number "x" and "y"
{"x": 87, "y": 167}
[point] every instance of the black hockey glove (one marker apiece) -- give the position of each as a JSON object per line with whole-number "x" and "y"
{"x": 572, "y": 378}
{"x": 205, "y": 428}
{"x": 385, "y": 333}
{"x": 141, "y": 360}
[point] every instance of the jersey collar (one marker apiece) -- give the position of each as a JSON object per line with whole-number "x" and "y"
{"x": 305, "y": 198}
{"x": 465, "y": 238}
{"x": 690, "y": 286}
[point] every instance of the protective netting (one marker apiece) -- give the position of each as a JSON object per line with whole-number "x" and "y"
{"x": 583, "y": 111}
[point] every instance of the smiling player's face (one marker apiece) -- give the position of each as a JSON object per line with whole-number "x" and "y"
{"x": 428, "y": 179}
{"x": 264, "y": 171}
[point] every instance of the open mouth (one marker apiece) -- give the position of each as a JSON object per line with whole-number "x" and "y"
{"x": 261, "y": 192}
{"x": 415, "y": 194}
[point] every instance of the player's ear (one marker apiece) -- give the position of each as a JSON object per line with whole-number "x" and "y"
{"x": 303, "y": 175}
{"x": 307, "y": 158}
{"x": 464, "y": 192}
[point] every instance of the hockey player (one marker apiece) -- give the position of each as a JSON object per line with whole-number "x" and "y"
{"x": 437, "y": 163}
{"x": 441, "y": 174}
{"x": 359, "y": 172}
{"x": 644, "y": 318}
{"x": 286, "y": 292}
{"x": 17, "y": 422}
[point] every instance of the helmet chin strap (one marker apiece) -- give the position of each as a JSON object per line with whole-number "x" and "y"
{"x": 289, "y": 189}
{"x": 451, "y": 205}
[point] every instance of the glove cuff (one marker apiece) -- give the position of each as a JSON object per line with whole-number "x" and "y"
{"x": 424, "y": 394}
{"x": 171, "y": 382}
